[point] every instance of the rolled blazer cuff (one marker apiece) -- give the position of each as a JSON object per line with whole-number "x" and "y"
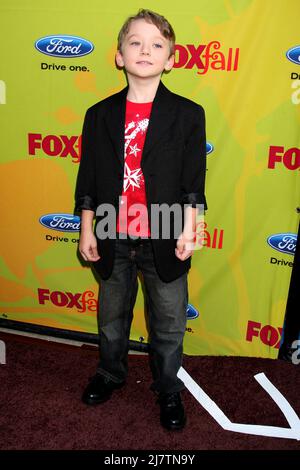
{"x": 193, "y": 199}
{"x": 85, "y": 202}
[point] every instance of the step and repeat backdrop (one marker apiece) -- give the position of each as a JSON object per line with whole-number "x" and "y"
{"x": 240, "y": 59}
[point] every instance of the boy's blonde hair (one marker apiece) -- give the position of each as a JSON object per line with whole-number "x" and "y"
{"x": 151, "y": 17}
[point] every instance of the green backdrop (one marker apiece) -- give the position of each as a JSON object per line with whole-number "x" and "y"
{"x": 231, "y": 57}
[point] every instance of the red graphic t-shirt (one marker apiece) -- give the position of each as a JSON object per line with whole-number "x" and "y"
{"x": 133, "y": 219}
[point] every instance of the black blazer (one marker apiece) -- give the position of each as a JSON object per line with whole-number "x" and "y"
{"x": 173, "y": 164}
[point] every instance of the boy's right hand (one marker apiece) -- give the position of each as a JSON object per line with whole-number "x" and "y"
{"x": 88, "y": 247}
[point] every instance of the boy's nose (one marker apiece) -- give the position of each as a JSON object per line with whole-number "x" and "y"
{"x": 145, "y": 51}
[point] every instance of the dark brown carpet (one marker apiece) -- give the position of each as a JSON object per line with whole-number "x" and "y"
{"x": 42, "y": 382}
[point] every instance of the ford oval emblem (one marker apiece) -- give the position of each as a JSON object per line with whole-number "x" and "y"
{"x": 293, "y": 55}
{"x": 283, "y": 242}
{"x": 61, "y": 222}
{"x": 209, "y": 148}
{"x": 64, "y": 46}
{"x": 191, "y": 312}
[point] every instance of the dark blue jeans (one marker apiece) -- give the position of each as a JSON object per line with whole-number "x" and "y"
{"x": 167, "y": 304}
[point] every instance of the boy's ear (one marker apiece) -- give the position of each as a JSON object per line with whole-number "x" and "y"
{"x": 170, "y": 62}
{"x": 119, "y": 59}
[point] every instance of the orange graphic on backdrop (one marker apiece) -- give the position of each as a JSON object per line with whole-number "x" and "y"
{"x": 66, "y": 115}
{"x": 34, "y": 188}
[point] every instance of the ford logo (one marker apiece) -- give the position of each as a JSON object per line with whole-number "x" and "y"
{"x": 209, "y": 148}
{"x": 191, "y": 312}
{"x": 61, "y": 222}
{"x": 293, "y": 55}
{"x": 64, "y": 46}
{"x": 283, "y": 242}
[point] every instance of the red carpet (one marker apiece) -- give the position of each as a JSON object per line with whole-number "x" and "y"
{"x": 41, "y": 386}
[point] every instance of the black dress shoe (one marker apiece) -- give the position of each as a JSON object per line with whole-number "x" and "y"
{"x": 99, "y": 390}
{"x": 172, "y": 415}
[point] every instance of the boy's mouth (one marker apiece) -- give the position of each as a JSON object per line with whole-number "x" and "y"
{"x": 144, "y": 62}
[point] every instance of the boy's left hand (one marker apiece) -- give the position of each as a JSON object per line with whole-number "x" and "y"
{"x": 185, "y": 246}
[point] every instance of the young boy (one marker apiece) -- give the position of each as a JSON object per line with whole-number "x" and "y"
{"x": 142, "y": 148}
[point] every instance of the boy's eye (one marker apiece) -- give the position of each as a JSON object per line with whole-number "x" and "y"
{"x": 158, "y": 45}
{"x": 134, "y": 43}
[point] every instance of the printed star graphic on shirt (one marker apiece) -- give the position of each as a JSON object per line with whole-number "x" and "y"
{"x": 139, "y": 127}
{"x": 134, "y": 149}
{"x": 132, "y": 178}
{"x": 143, "y": 124}
{"x": 130, "y": 126}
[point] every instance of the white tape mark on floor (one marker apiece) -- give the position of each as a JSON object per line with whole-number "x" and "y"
{"x": 271, "y": 431}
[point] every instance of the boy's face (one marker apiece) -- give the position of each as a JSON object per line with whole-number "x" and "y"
{"x": 145, "y": 51}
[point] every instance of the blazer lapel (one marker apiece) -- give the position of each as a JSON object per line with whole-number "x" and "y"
{"x": 162, "y": 116}
{"x": 115, "y": 121}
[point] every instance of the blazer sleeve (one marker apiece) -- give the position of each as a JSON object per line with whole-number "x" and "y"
{"x": 194, "y": 163}
{"x": 85, "y": 192}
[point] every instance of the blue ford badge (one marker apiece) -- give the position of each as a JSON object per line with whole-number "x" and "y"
{"x": 209, "y": 148}
{"x": 191, "y": 312}
{"x": 283, "y": 242}
{"x": 64, "y": 46}
{"x": 293, "y": 55}
{"x": 61, "y": 222}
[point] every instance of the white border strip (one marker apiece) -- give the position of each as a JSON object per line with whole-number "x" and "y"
{"x": 271, "y": 431}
